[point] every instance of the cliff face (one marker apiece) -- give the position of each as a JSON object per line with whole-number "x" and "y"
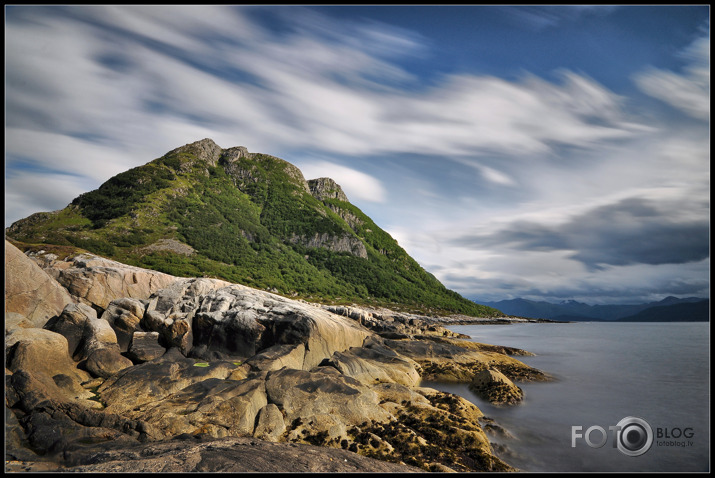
{"x": 250, "y": 218}
{"x": 137, "y": 358}
{"x": 345, "y": 243}
{"x": 326, "y": 188}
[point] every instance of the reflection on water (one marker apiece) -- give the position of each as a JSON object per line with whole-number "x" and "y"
{"x": 603, "y": 372}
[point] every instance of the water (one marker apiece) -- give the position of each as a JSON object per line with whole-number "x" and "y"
{"x": 604, "y": 372}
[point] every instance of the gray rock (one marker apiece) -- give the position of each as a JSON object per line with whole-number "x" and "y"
{"x": 342, "y": 243}
{"x": 30, "y": 291}
{"x": 326, "y": 188}
{"x": 231, "y": 155}
{"x": 97, "y": 281}
{"x": 72, "y": 324}
{"x": 270, "y": 425}
{"x": 322, "y": 401}
{"x": 376, "y": 364}
{"x": 153, "y": 381}
{"x": 235, "y": 333}
{"x": 124, "y": 316}
{"x": 278, "y": 357}
{"x": 215, "y": 407}
{"x": 227, "y": 455}
{"x": 98, "y": 334}
{"x": 204, "y": 150}
{"x": 212, "y": 320}
{"x": 40, "y": 351}
{"x": 105, "y": 362}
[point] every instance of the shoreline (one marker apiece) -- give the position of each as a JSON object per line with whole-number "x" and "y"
{"x": 168, "y": 360}
{"x": 620, "y": 386}
{"x": 507, "y": 319}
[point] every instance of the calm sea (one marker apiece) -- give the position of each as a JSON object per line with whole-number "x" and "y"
{"x": 605, "y": 373}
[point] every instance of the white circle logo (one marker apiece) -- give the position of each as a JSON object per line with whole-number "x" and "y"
{"x": 634, "y": 437}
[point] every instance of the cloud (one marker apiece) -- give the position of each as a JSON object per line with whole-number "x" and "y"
{"x": 546, "y": 17}
{"x": 632, "y": 231}
{"x": 613, "y": 285}
{"x": 66, "y": 153}
{"x": 689, "y": 91}
{"x": 333, "y": 90}
{"x": 47, "y": 190}
{"x": 83, "y": 81}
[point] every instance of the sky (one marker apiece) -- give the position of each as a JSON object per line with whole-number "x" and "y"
{"x": 543, "y": 152}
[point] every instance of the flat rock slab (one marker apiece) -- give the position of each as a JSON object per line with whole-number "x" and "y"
{"x": 233, "y": 455}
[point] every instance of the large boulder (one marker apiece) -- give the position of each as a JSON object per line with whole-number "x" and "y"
{"x": 105, "y": 362}
{"x": 153, "y": 381}
{"x": 145, "y": 347}
{"x": 270, "y": 425}
{"x": 376, "y": 364}
{"x": 30, "y": 291}
{"x": 54, "y": 424}
{"x": 125, "y": 315}
{"x": 496, "y": 387}
{"x": 72, "y": 323}
{"x": 42, "y": 355}
{"x": 212, "y": 320}
{"x": 40, "y": 351}
{"x": 90, "y": 338}
{"x": 214, "y": 407}
{"x": 97, "y": 281}
{"x": 322, "y": 402}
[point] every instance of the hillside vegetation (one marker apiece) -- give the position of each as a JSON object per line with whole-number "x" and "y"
{"x": 203, "y": 211}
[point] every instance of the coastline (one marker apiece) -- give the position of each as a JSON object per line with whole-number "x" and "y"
{"x": 604, "y": 372}
{"x": 465, "y": 320}
{"x": 138, "y": 358}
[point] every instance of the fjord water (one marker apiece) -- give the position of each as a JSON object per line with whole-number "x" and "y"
{"x": 604, "y": 372}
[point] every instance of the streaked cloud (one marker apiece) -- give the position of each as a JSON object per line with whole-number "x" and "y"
{"x": 688, "y": 91}
{"x": 632, "y": 231}
{"x": 545, "y": 17}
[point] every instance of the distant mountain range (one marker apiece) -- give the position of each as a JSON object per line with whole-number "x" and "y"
{"x": 670, "y": 309}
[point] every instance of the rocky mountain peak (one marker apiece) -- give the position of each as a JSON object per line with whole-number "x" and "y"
{"x": 231, "y": 155}
{"x": 205, "y": 150}
{"x": 326, "y": 188}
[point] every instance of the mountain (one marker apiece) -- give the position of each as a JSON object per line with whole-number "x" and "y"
{"x": 578, "y": 311}
{"x": 248, "y": 218}
{"x": 684, "y": 312}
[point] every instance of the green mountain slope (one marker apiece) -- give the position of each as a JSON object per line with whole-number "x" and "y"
{"x": 248, "y": 218}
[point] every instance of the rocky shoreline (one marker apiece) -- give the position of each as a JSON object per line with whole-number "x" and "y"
{"x": 112, "y": 368}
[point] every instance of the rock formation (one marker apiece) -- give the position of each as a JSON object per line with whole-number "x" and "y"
{"x": 343, "y": 243}
{"x": 29, "y": 290}
{"x": 138, "y": 357}
{"x": 326, "y": 188}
